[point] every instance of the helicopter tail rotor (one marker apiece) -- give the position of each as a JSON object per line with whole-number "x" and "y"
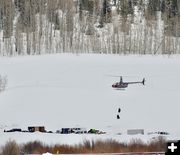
{"x": 121, "y": 79}
{"x": 143, "y": 81}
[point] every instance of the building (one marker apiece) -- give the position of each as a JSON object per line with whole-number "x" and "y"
{"x": 135, "y": 131}
{"x": 36, "y": 128}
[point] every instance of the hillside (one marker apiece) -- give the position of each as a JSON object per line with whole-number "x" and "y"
{"x": 59, "y": 59}
{"x": 65, "y": 90}
{"x": 31, "y": 27}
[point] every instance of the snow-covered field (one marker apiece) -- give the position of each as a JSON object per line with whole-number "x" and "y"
{"x": 65, "y": 90}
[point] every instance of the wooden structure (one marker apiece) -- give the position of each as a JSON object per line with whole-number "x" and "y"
{"x": 36, "y": 128}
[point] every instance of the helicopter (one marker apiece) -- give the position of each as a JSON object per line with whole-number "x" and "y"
{"x": 122, "y": 84}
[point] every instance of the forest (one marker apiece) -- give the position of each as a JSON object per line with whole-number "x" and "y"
{"x": 33, "y": 27}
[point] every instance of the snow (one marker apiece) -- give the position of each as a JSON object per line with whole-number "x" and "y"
{"x": 66, "y": 90}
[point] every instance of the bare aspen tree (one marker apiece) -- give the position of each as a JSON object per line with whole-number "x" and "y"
{"x": 11, "y": 148}
{"x": 50, "y": 14}
{"x": 70, "y": 24}
{"x": 7, "y": 13}
{"x": 8, "y": 16}
{"x": 115, "y": 38}
{"x": 3, "y": 83}
{"x": 51, "y": 26}
{"x": 18, "y": 43}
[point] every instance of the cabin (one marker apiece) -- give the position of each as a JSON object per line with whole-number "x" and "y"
{"x": 36, "y": 128}
{"x": 135, "y": 131}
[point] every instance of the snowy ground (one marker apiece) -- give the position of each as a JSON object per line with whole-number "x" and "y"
{"x": 65, "y": 90}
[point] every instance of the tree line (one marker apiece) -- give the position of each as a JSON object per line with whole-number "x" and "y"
{"x": 87, "y": 146}
{"x": 89, "y": 26}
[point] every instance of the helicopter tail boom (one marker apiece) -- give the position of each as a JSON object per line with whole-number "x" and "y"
{"x": 143, "y": 82}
